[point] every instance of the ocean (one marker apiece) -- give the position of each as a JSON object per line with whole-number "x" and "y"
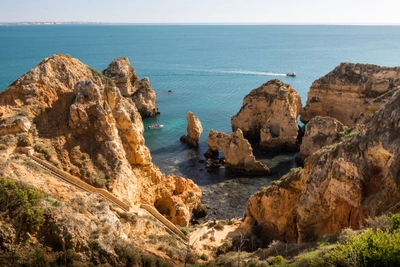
{"x": 206, "y": 69}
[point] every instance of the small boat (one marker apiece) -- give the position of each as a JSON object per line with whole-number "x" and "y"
{"x": 291, "y": 74}
{"x": 156, "y": 126}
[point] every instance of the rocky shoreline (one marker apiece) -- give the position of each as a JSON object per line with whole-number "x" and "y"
{"x": 89, "y": 124}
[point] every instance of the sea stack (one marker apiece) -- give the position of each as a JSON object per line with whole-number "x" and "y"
{"x": 194, "y": 130}
{"x": 237, "y": 151}
{"x": 269, "y": 114}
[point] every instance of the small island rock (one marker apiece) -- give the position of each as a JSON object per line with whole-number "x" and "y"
{"x": 269, "y": 113}
{"x": 238, "y": 152}
{"x": 194, "y": 130}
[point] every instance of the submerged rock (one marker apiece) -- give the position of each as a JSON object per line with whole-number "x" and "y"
{"x": 194, "y": 130}
{"x": 237, "y": 151}
{"x": 269, "y": 113}
{"x": 350, "y": 90}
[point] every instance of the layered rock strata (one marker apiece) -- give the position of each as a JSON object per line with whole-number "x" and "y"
{"x": 320, "y": 132}
{"x": 194, "y": 130}
{"x": 269, "y": 113}
{"x": 237, "y": 151}
{"x": 339, "y": 187}
{"x": 83, "y": 125}
{"x": 129, "y": 84}
{"x": 350, "y": 90}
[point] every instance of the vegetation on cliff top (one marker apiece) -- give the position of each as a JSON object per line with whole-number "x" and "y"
{"x": 377, "y": 244}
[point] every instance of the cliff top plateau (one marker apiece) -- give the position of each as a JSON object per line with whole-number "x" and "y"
{"x": 349, "y": 91}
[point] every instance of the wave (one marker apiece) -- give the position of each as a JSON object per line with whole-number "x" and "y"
{"x": 249, "y": 72}
{"x": 242, "y": 72}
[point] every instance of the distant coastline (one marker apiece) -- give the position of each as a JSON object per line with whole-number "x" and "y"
{"x": 35, "y": 23}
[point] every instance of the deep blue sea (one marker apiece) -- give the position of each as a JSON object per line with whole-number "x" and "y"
{"x": 209, "y": 70}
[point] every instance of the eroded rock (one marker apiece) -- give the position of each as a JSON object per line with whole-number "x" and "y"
{"x": 82, "y": 124}
{"x": 237, "y": 151}
{"x": 194, "y": 130}
{"x": 349, "y": 90}
{"x": 320, "y": 132}
{"x": 129, "y": 84}
{"x": 339, "y": 187}
{"x": 269, "y": 113}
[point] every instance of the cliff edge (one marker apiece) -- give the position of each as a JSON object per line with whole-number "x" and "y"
{"x": 340, "y": 185}
{"x": 77, "y": 119}
{"x": 349, "y": 91}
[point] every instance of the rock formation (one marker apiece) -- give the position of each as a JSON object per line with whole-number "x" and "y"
{"x": 140, "y": 91}
{"x": 340, "y": 185}
{"x": 83, "y": 125}
{"x": 269, "y": 113}
{"x": 237, "y": 151}
{"x": 320, "y": 132}
{"x": 350, "y": 90}
{"x": 194, "y": 130}
{"x": 20, "y": 124}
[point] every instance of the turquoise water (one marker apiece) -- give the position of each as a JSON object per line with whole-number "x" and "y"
{"x": 209, "y": 70}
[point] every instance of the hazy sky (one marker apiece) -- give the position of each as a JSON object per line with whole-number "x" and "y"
{"x": 203, "y": 11}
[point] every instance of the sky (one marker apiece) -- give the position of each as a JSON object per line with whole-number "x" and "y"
{"x": 203, "y": 11}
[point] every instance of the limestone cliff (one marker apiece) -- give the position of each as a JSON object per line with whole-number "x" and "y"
{"x": 129, "y": 84}
{"x": 339, "y": 186}
{"x": 269, "y": 113}
{"x": 237, "y": 151}
{"x": 320, "y": 132}
{"x": 79, "y": 122}
{"x": 350, "y": 90}
{"x": 194, "y": 130}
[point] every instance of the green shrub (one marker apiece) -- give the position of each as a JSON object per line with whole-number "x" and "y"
{"x": 379, "y": 222}
{"x": 219, "y": 226}
{"x": 395, "y": 221}
{"x": 22, "y": 202}
{"x": 369, "y": 248}
{"x": 277, "y": 260}
{"x": 184, "y": 231}
{"x": 225, "y": 247}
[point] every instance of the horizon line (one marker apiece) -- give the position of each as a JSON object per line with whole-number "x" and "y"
{"x": 204, "y": 23}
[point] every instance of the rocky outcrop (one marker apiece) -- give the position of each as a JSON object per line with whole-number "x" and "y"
{"x": 340, "y": 185}
{"x": 320, "y": 132}
{"x": 237, "y": 151}
{"x": 129, "y": 84}
{"x": 145, "y": 99}
{"x": 18, "y": 125}
{"x": 350, "y": 90}
{"x": 194, "y": 130}
{"x": 269, "y": 113}
{"x": 123, "y": 74}
{"x": 83, "y": 125}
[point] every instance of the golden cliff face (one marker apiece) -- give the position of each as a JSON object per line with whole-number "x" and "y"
{"x": 129, "y": 84}
{"x": 350, "y": 90}
{"x": 339, "y": 187}
{"x": 269, "y": 113}
{"x": 82, "y": 124}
